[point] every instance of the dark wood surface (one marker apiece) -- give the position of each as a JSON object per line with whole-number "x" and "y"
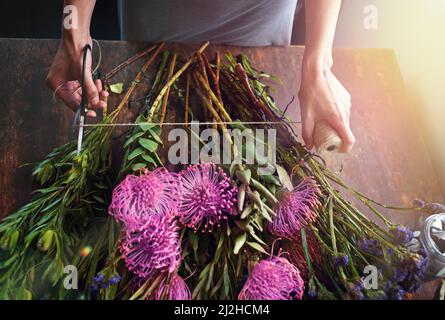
{"x": 389, "y": 163}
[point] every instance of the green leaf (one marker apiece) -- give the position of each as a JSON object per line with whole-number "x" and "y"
{"x": 149, "y": 159}
{"x": 257, "y": 238}
{"x": 157, "y": 138}
{"x": 148, "y": 144}
{"x": 239, "y": 242}
{"x": 271, "y": 179}
{"x": 216, "y": 287}
{"x": 13, "y": 239}
{"x": 247, "y": 211}
{"x": 133, "y": 138}
{"x": 226, "y": 280}
{"x": 46, "y": 241}
{"x": 117, "y": 87}
{"x": 194, "y": 240}
{"x": 210, "y": 278}
{"x": 257, "y": 247}
{"x": 99, "y": 199}
{"x": 155, "y": 130}
{"x": 135, "y": 153}
{"x": 145, "y": 126}
{"x": 205, "y": 271}
{"x": 265, "y": 214}
{"x": 244, "y": 176}
{"x": 284, "y": 177}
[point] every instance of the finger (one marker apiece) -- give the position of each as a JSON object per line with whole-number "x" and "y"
{"x": 102, "y": 100}
{"x": 98, "y": 84}
{"x": 308, "y": 132}
{"x": 345, "y": 133}
{"x": 66, "y": 93}
{"x": 91, "y": 114}
{"x": 91, "y": 90}
{"x": 71, "y": 100}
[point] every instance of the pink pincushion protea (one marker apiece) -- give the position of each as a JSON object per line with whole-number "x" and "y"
{"x": 137, "y": 198}
{"x": 173, "y": 288}
{"x": 295, "y": 209}
{"x": 273, "y": 279}
{"x": 152, "y": 247}
{"x": 208, "y": 196}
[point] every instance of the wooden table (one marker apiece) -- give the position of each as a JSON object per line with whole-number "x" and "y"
{"x": 389, "y": 162}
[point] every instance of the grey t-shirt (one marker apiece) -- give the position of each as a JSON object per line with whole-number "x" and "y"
{"x": 236, "y": 22}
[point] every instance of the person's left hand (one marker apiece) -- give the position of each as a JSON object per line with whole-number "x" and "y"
{"x": 323, "y": 98}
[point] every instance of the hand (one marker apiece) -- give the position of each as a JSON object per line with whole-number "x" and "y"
{"x": 323, "y": 98}
{"x": 65, "y": 75}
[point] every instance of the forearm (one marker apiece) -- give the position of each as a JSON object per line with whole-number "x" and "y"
{"x": 321, "y": 22}
{"x": 81, "y": 34}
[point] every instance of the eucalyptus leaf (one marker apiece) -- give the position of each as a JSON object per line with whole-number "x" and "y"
{"x": 257, "y": 247}
{"x": 239, "y": 242}
{"x": 285, "y": 180}
{"x": 117, "y": 88}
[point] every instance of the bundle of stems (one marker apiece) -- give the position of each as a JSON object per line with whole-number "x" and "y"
{"x": 66, "y": 222}
{"x": 234, "y": 94}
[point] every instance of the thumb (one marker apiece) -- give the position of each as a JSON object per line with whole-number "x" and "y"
{"x": 346, "y": 135}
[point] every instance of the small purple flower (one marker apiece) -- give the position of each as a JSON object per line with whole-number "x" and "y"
{"x": 419, "y": 203}
{"x": 430, "y": 207}
{"x": 341, "y": 259}
{"x": 410, "y": 271}
{"x": 273, "y": 279}
{"x": 114, "y": 280}
{"x": 208, "y": 198}
{"x": 173, "y": 288}
{"x": 372, "y": 247}
{"x": 399, "y": 274}
{"x": 99, "y": 278}
{"x": 295, "y": 209}
{"x": 152, "y": 247}
{"x": 312, "y": 294}
{"x": 98, "y": 283}
{"x": 402, "y": 235}
{"x": 356, "y": 290}
{"x": 396, "y": 293}
{"x": 155, "y": 193}
{"x": 94, "y": 288}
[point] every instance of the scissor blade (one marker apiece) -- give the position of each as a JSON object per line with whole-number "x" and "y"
{"x": 80, "y": 134}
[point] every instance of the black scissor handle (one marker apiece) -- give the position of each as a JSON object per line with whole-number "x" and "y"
{"x": 84, "y": 99}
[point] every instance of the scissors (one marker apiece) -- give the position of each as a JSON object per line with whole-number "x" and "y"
{"x": 83, "y": 108}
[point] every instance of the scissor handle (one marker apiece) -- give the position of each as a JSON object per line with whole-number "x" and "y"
{"x": 83, "y": 99}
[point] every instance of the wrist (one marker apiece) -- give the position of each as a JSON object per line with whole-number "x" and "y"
{"x": 316, "y": 61}
{"x": 74, "y": 40}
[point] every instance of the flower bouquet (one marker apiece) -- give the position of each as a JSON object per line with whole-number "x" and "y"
{"x": 263, "y": 219}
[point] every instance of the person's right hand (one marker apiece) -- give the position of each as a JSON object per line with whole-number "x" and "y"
{"x": 65, "y": 75}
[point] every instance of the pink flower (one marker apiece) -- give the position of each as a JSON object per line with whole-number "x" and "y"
{"x": 273, "y": 279}
{"x": 295, "y": 209}
{"x": 152, "y": 247}
{"x": 137, "y": 198}
{"x": 208, "y": 196}
{"x": 173, "y": 288}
